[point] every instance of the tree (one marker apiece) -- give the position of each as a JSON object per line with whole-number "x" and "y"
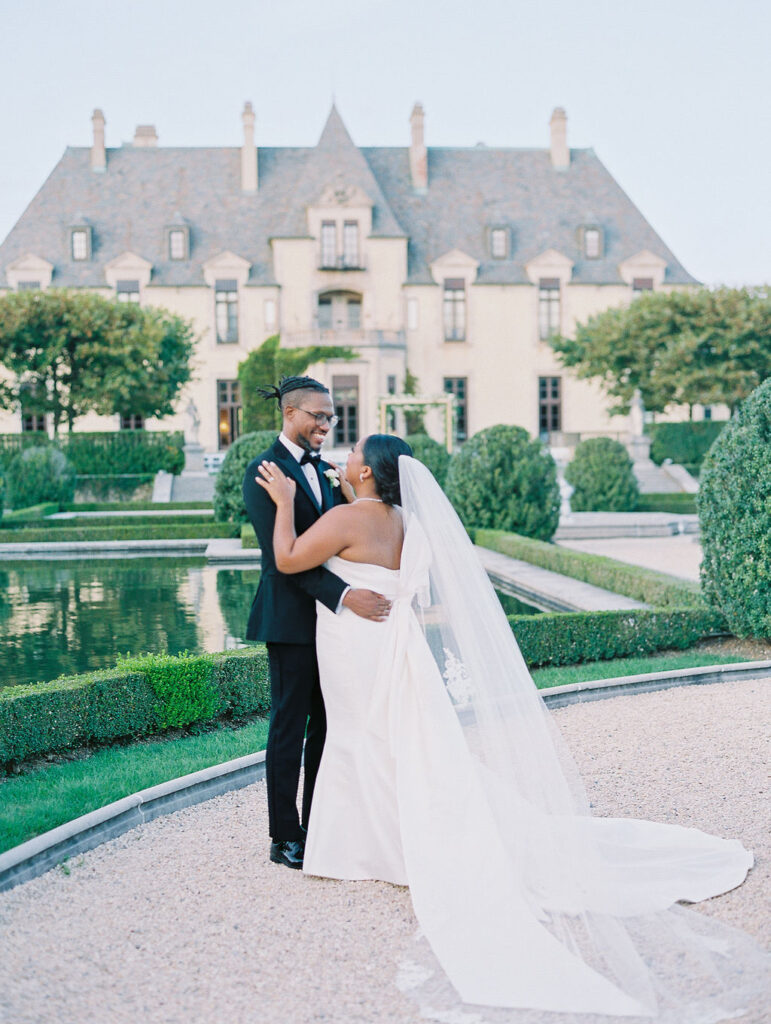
{"x": 682, "y": 347}
{"x": 264, "y": 366}
{"x": 77, "y": 352}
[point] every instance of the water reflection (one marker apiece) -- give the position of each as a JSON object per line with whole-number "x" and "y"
{"x": 67, "y": 617}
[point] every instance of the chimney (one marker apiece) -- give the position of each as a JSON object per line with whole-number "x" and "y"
{"x": 248, "y": 151}
{"x": 418, "y": 156}
{"x": 145, "y": 135}
{"x": 560, "y": 154}
{"x": 98, "y": 153}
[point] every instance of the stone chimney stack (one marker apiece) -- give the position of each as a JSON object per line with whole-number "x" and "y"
{"x": 145, "y": 135}
{"x": 418, "y": 155}
{"x": 560, "y": 154}
{"x": 248, "y": 151}
{"x": 98, "y": 152}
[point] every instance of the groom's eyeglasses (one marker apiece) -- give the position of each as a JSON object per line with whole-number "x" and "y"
{"x": 321, "y": 418}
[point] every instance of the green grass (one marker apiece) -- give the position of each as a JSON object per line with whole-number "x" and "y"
{"x": 48, "y": 796}
{"x": 562, "y": 675}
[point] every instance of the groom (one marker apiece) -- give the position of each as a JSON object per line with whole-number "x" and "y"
{"x": 283, "y": 612}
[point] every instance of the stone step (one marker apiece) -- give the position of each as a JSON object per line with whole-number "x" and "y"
{"x": 192, "y": 487}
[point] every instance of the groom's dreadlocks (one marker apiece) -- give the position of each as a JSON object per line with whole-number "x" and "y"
{"x": 287, "y": 386}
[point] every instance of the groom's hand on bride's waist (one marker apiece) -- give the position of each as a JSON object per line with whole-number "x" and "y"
{"x": 367, "y": 604}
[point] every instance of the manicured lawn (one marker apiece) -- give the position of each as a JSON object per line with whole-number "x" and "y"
{"x": 53, "y": 794}
{"x": 561, "y": 676}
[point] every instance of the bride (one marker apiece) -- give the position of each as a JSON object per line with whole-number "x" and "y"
{"x": 444, "y": 771}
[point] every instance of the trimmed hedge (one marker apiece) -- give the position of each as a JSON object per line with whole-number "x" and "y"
{"x": 140, "y": 696}
{"x": 194, "y": 531}
{"x": 501, "y": 479}
{"x": 682, "y": 504}
{"x": 31, "y": 514}
{"x": 121, "y": 452}
{"x": 602, "y": 477}
{"x": 572, "y": 637}
{"x": 105, "y": 452}
{"x": 93, "y": 522}
{"x": 248, "y": 536}
{"x": 40, "y": 474}
{"x": 685, "y": 444}
{"x": 735, "y": 517}
{"x": 228, "y": 489}
{"x": 432, "y": 454}
{"x": 654, "y": 588}
{"x": 133, "y": 506}
{"x": 115, "y": 487}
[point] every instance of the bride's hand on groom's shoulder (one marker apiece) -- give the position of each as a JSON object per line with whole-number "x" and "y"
{"x": 345, "y": 488}
{"x": 280, "y": 487}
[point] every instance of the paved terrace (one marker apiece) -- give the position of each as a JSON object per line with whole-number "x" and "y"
{"x": 185, "y": 921}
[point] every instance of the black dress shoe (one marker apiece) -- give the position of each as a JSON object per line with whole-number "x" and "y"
{"x": 288, "y": 853}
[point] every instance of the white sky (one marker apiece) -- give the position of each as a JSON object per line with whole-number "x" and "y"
{"x": 673, "y": 95}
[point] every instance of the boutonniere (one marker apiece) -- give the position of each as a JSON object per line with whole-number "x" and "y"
{"x": 333, "y": 475}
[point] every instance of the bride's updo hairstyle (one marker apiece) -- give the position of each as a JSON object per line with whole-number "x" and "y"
{"x": 381, "y": 453}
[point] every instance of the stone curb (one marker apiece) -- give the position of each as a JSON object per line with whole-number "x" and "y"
{"x": 33, "y": 858}
{"x": 600, "y": 689}
{"x": 28, "y": 860}
{"x": 56, "y": 549}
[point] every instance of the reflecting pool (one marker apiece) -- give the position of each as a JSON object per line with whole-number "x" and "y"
{"x": 65, "y": 617}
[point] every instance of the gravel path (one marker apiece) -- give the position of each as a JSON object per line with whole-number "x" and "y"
{"x": 185, "y": 921}
{"x": 679, "y": 555}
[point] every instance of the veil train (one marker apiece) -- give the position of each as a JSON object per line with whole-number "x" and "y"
{"x": 531, "y": 908}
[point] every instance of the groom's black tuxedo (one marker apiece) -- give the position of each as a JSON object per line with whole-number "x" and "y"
{"x": 283, "y": 615}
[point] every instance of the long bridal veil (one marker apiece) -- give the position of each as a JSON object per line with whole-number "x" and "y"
{"x": 535, "y": 910}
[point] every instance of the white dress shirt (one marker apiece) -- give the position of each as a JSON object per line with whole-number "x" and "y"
{"x": 313, "y": 479}
{"x": 310, "y": 473}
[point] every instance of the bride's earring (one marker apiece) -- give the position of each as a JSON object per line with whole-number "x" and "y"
{"x": 361, "y": 477}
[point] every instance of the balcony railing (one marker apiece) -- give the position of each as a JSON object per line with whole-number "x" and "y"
{"x": 350, "y": 337}
{"x": 341, "y": 263}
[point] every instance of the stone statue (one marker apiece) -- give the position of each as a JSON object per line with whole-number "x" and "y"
{"x": 637, "y": 415}
{"x": 193, "y": 422}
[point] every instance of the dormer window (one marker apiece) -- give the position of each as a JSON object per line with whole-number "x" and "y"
{"x": 177, "y": 244}
{"x": 80, "y": 243}
{"x": 499, "y": 243}
{"x": 178, "y": 240}
{"x": 127, "y": 291}
{"x": 590, "y": 241}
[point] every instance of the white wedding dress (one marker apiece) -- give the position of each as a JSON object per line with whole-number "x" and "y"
{"x": 443, "y": 770}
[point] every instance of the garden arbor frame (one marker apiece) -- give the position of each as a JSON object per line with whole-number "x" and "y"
{"x": 418, "y": 402}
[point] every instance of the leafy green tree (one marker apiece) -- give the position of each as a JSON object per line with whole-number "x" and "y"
{"x": 602, "y": 477}
{"x": 682, "y": 347}
{"x": 502, "y": 480}
{"x": 264, "y": 366}
{"x": 77, "y": 352}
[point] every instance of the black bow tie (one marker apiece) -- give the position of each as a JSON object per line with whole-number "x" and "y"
{"x": 313, "y": 457}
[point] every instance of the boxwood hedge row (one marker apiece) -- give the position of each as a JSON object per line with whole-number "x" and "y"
{"x": 654, "y": 588}
{"x": 139, "y": 696}
{"x": 150, "y": 531}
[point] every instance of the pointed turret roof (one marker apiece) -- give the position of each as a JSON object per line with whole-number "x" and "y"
{"x": 337, "y": 163}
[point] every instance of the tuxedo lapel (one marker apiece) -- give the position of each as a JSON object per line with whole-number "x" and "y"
{"x": 292, "y": 467}
{"x": 327, "y": 496}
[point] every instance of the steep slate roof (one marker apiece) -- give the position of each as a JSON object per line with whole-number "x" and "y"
{"x": 147, "y": 189}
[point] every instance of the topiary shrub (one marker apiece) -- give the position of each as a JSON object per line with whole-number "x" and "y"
{"x": 431, "y": 454}
{"x": 734, "y": 504}
{"x": 38, "y": 475}
{"x": 502, "y": 480}
{"x": 228, "y": 491}
{"x": 602, "y": 477}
